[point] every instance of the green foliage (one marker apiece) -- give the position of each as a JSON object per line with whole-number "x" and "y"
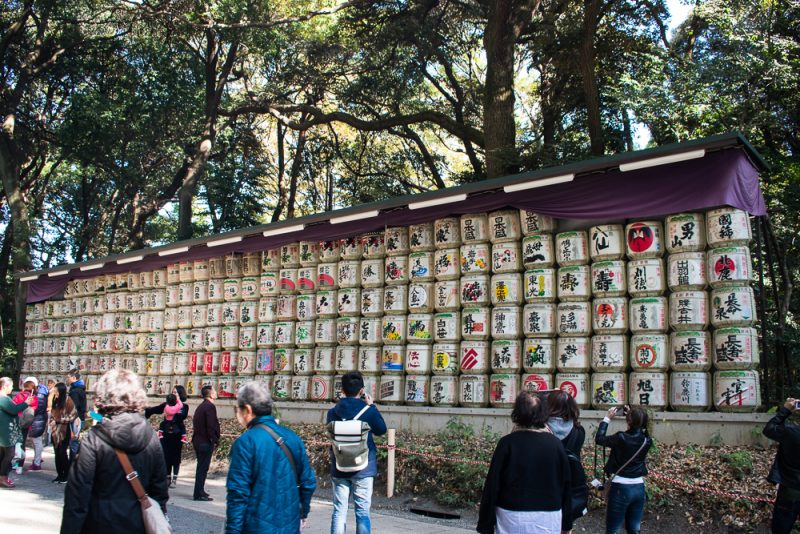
{"x": 716, "y": 439}
{"x": 740, "y": 463}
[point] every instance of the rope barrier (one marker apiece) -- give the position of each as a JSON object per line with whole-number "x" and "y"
{"x": 656, "y": 476}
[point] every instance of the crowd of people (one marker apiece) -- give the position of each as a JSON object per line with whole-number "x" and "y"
{"x": 536, "y": 482}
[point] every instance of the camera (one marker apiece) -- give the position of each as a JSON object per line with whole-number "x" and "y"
{"x": 797, "y": 405}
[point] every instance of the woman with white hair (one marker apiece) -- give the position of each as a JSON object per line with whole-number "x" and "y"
{"x": 98, "y": 497}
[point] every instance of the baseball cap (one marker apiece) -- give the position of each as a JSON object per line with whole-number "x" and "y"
{"x": 31, "y": 379}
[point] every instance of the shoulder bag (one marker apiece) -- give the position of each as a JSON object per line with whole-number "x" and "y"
{"x": 607, "y": 484}
{"x": 289, "y": 456}
{"x": 155, "y": 522}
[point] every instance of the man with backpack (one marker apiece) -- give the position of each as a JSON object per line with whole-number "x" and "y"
{"x": 351, "y": 425}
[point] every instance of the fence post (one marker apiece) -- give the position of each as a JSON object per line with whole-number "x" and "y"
{"x": 390, "y": 462}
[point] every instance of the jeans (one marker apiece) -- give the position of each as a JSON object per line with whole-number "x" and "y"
{"x": 625, "y": 505}
{"x": 204, "y": 452}
{"x": 38, "y": 447}
{"x": 784, "y": 514}
{"x": 362, "y": 498}
{"x": 74, "y": 442}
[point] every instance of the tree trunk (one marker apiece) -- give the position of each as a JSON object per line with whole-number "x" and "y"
{"x": 591, "y": 19}
{"x": 281, "y": 140}
{"x": 294, "y": 174}
{"x": 549, "y": 115}
{"x": 626, "y": 126}
{"x": 189, "y": 181}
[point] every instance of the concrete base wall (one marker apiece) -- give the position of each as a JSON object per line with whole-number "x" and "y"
{"x": 670, "y": 428}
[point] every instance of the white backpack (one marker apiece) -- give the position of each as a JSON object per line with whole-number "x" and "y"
{"x": 349, "y": 439}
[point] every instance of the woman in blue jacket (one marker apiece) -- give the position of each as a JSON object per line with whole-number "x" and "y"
{"x": 267, "y": 492}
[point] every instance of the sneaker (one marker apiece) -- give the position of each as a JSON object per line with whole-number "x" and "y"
{"x": 35, "y": 467}
{"x": 18, "y": 469}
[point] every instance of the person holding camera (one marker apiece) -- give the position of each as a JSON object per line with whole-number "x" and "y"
{"x": 625, "y": 469}
{"x": 787, "y": 504}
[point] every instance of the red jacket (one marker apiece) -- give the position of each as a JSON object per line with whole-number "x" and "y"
{"x": 23, "y": 395}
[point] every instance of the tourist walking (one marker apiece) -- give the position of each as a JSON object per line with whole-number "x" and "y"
{"x": 270, "y": 481}
{"x": 62, "y": 414}
{"x": 99, "y": 498}
{"x": 77, "y": 392}
{"x": 786, "y": 509}
{"x": 172, "y": 430}
{"x": 627, "y": 468}
{"x": 359, "y": 480}
{"x": 527, "y": 488}
{"x": 205, "y": 437}
{"x": 10, "y": 432}
{"x": 39, "y": 426}
{"x": 564, "y": 424}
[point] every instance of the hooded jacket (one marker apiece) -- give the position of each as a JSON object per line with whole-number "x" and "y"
{"x": 346, "y": 409}
{"x": 40, "y": 415}
{"x": 98, "y": 498}
{"x": 77, "y": 392}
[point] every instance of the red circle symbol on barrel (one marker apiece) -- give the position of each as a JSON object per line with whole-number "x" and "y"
{"x": 645, "y": 355}
{"x": 640, "y": 237}
{"x": 535, "y": 383}
{"x": 724, "y": 263}
{"x": 570, "y": 388}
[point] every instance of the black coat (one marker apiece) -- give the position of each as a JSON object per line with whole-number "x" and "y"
{"x": 98, "y": 498}
{"x": 39, "y": 423}
{"x": 178, "y": 420}
{"x": 623, "y": 446}
{"x": 788, "y": 458}
{"x": 77, "y": 392}
{"x": 573, "y": 444}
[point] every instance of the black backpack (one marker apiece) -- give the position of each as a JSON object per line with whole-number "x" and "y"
{"x": 579, "y": 487}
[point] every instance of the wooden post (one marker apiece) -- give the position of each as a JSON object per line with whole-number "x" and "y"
{"x": 390, "y": 462}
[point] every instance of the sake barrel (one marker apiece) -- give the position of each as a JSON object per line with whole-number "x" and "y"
{"x": 687, "y": 271}
{"x": 607, "y": 242}
{"x": 503, "y": 389}
{"x": 475, "y": 323}
{"x": 373, "y": 245}
{"x": 475, "y": 290}
{"x": 608, "y": 278}
{"x": 421, "y": 266}
{"x": 186, "y": 271}
{"x": 506, "y": 257}
{"x": 447, "y": 327}
{"x": 216, "y": 290}
{"x": 321, "y": 388}
{"x": 691, "y": 351}
{"x": 173, "y": 274}
{"x": 247, "y": 337}
{"x": 268, "y": 284}
{"x": 646, "y": 277}
{"x": 396, "y": 241}
{"x": 343, "y": 359}
{"x": 474, "y": 357}
{"x": 233, "y": 265}
{"x": 506, "y": 289}
{"x": 181, "y": 364}
{"x": 284, "y": 334}
{"x": 447, "y": 232}
{"x": 145, "y": 281}
{"x": 576, "y": 385}
{"x": 447, "y": 296}
{"x": 372, "y": 273}
{"x": 193, "y": 386}
{"x": 232, "y": 288}
{"x": 445, "y": 359}
{"x": 168, "y": 341}
{"x": 506, "y": 322}
{"x": 200, "y": 270}
{"x": 306, "y": 307}
{"x": 736, "y": 348}
{"x": 610, "y": 315}
{"x": 287, "y": 281}
{"x": 690, "y": 391}
{"x": 211, "y": 363}
{"x": 728, "y": 227}
{"x": 648, "y": 315}
{"x": 729, "y": 266}
{"x": 325, "y": 332}
{"x": 420, "y": 237}
{"x": 349, "y": 302}
{"x": 304, "y": 333}
{"x": 372, "y": 302}
{"x": 650, "y": 390}
{"x": 609, "y": 389}
{"x": 473, "y": 391}
{"x": 539, "y": 320}
{"x": 573, "y": 354}
{"x": 264, "y": 361}
{"x": 649, "y": 352}
{"x": 216, "y": 268}
{"x": 290, "y": 256}
{"x": 371, "y": 383}
{"x": 474, "y": 228}
{"x": 148, "y": 384}
{"x": 271, "y": 260}
{"x": 327, "y": 304}
{"x": 395, "y": 299}
{"x": 737, "y": 391}
{"x": 286, "y": 307}
{"x": 138, "y": 365}
{"x": 284, "y": 360}
{"x": 352, "y": 248}
{"x": 540, "y": 285}
{"x": 418, "y": 359}
{"x": 329, "y": 251}
{"x": 535, "y": 223}
{"x": 347, "y": 330}
{"x": 301, "y": 388}
{"x": 393, "y": 329}
{"x": 644, "y": 240}
{"x": 686, "y": 232}
{"x": 370, "y": 359}
{"x": 327, "y": 276}
{"x": 349, "y": 274}
{"x": 506, "y": 356}
{"x": 265, "y": 335}
{"x": 574, "y": 283}
{"x": 230, "y": 314}
{"x": 309, "y": 253}
{"x": 539, "y": 355}
{"x": 420, "y": 328}
{"x": 504, "y": 226}
{"x": 447, "y": 264}
{"x": 420, "y": 297}
{"x": 396, "y": 270}
{"x": 228, "y": 362}
{"x": 574, "y": 319}
{"x": 248, "y": 313}
{"x": 282, "y": 387}
{"x": 535, "y": 382}
{"x": 200, "y": 292}
{"x": 609, "y": 353}
{"x": 250, "y": 288}
{"x": 214, "y": 313}
{"x": 443, "y": 390}
{"x": 303, "y": 361}
{"x": 391, "y": 389}
{"x": 475, "y": 258}
{"x": 572, "y": 248}
{"x": 732, "y": 306}
{"x": 688, "y": 310}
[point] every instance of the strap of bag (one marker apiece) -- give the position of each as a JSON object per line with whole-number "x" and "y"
{"x": 359, "y": 414}
{"x": 282, "y": 444}
{"x": 133, "y": 478}
{"x": 630, "y": 459}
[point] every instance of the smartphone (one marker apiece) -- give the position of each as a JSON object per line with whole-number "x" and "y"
{"x": 797, "y": 405}
{"x": 621, "y": 410}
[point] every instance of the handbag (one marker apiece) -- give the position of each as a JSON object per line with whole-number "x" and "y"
{"x": 155, "y": 522}
{"x": 607, "y": 482}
